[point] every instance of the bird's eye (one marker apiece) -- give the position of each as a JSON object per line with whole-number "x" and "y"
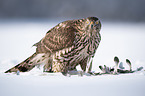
{"x": 97, "y": 22}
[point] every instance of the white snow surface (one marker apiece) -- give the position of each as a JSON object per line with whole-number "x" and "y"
{"x": 125, "y": 40}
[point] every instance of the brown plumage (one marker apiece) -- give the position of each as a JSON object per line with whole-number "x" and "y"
{"x": 65, "y": 46}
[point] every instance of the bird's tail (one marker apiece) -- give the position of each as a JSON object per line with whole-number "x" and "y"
{"x": 24, "y": 66}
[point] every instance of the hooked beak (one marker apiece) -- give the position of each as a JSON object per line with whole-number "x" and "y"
{"x": 92, "y": 25}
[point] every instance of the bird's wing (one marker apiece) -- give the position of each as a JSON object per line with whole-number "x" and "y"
{"x": 59, "y": 37}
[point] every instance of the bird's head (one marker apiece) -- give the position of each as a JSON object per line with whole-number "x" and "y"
{"x": 93, "y": 23}
{"x": 90, "y": 26}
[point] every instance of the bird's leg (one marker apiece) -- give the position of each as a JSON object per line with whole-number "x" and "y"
{"x": 86, "y": 66}
{"x": 90, "y": 66}
{"x": 83, "y": 64}
{"x": 90, "y": 69}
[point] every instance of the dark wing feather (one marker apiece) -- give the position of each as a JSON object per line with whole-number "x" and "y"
{"x": 59, "y": 37}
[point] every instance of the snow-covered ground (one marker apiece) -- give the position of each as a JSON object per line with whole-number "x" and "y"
{"x": 125, "y": 40}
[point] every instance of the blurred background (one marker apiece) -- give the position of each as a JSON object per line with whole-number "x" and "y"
{"x": 25, "y": 22}
{"x": 114, "y": 10}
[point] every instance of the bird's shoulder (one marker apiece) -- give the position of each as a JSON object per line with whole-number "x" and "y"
{"x": 63, "y": 27}
{"x": 59, "y": 37}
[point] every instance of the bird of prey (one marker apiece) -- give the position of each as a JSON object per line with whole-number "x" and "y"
{"x": 68, "y": 44}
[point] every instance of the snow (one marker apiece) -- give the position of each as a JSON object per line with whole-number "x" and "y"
{"x": 125, "y": 40}
{"x": 120, "y": 85}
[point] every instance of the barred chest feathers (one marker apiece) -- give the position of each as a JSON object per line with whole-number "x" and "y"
{"x": 83, "y": 49}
